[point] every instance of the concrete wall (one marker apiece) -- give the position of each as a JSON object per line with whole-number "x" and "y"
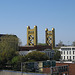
{"x": 6, "y": 72}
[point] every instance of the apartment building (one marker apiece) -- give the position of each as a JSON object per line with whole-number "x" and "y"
{"x": 68, "y": 53}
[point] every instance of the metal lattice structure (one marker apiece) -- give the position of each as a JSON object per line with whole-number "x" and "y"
{"x": 31, "y": 36}
{"x": 50, "y": 37}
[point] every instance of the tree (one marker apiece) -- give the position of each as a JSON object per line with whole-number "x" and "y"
{"x": 36, "y": 56}
{"x": 73, "y": 44}
{"x": 60, "y": 43}
{"x": 8, "y": 48}
{"x": 16, "y": 62}
{"x": 57, "y": 55}
{"x": 43, "y": 44}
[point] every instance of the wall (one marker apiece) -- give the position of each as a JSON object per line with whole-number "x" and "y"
{"x": 6, "y": 72}
{"x": 71, "y": 67}
{"x": 46, "y": 70}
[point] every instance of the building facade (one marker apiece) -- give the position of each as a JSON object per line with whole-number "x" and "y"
{"x": 71, "y": 67}
{"x": 50, "y": 53}
{"x": 10, "y": 40}
{"x": 68, "y": 53}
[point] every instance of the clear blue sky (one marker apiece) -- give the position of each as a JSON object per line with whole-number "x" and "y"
{"x": 16, "y": 15}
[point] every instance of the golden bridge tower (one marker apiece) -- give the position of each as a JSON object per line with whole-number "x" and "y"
{"x": 50, "y": 37}
{"x": 31, "y": 36}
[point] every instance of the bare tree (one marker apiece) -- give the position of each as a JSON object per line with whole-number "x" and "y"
{"x": 73, "y": 43}
{"x": 60, "y": 43}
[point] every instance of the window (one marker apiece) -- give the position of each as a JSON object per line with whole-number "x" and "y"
{"x": 68, "y": 48}
{"x": 65, "y": 48}
{"x": 61, "y": 52}
{"x": 73, "y": 48}
{"x": 67, "y": 57}
{"x": 61, "y": 57}
{"x": 64, "y": 52}
{"x": 73, "y": 52}
{"x": 64, "y": 57}
{"x": 73, "y": 57}
{"x": 70, "y": 57}
{"x": 67, "y": 52}
{"x": 48, "y": 53}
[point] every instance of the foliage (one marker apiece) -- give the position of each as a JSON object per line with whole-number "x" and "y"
{"x": 0, "y": 63}
{"x": 8, "y": 48}
{"x": 43, "y": 44}
{"x": 60, "y": 43}
{"x": 57, "y": 55}
{"x": 36, "y": 56}
{"x": 16, "y": 62}
{"x": 73, "y": 44}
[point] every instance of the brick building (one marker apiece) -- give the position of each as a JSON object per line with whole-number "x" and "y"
{"x": 71, "y": 67}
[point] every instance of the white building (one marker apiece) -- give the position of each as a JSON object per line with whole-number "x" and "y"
{"x": 68, "y": 53}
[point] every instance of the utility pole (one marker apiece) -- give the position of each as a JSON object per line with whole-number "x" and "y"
{"x": 51, "y": 70}
{"x": 21, "y": 69}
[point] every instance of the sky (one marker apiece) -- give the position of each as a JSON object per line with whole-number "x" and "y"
{"x": 16, "y": 15}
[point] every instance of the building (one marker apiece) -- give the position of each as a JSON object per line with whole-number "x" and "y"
{"x": 62, "y": 68}
{"x": 38, "y": 66}
{"x": 71, "y": 67}
{"x": 49, "y": 52}
{"x": 45, "y": 49}
{"x": 48, "y": 67}
{"x": 4, "y": 37}
{"x": 68, "y": 53}
{"x": 23, "y": 53}
{"x": 10, "y": 39}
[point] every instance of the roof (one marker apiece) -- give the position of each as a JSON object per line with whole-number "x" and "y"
{"x": 7, "y": 35}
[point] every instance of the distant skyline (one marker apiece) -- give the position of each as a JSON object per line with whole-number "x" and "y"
{"x": 16, "y": 15}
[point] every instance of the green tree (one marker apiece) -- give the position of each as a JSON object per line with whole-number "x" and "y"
{"x": 57, "y": 55}
{"x": 8, "y": 48}
{"x": 43, "y": 44}
{"x": 16, "y": 62}
{"x": 36, "y": 56}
